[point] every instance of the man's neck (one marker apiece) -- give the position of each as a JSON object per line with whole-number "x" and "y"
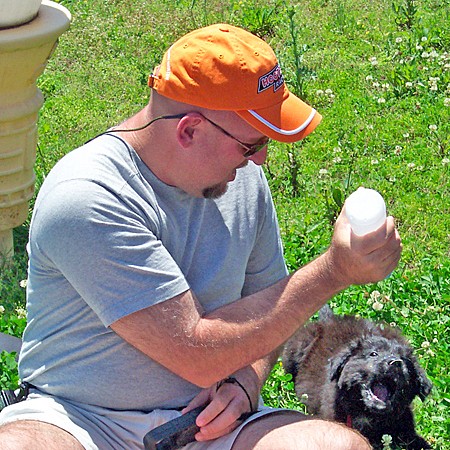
{"x": 147, "y": 144}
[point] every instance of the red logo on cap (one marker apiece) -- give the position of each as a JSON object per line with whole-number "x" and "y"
{"x": 273, "y": 78}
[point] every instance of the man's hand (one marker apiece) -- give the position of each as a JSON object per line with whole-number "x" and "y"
{"x": 223, "y": 407}
{"x": 364, "y": 259}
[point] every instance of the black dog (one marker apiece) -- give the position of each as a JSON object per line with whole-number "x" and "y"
{"x": 360, "y": 373}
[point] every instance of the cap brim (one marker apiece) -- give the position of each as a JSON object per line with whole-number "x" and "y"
{"x": 288, "y": 121}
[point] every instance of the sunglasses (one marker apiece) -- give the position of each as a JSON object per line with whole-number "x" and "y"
{"x": 250, "y": 149}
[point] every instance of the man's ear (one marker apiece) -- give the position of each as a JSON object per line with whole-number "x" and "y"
{"x": 187, "y": 129}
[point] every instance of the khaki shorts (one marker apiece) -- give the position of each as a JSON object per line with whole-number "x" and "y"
{"x": 104, "y": 429}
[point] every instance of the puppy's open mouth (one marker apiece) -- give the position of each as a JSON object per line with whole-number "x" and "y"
{"x": 381, "y": 392}
{"x": 379, "y": 395}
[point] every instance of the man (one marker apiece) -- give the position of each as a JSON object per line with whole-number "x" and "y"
{"x": 156, "y": 268}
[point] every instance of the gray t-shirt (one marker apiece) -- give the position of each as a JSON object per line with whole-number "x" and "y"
{"x": 107, "y": 239}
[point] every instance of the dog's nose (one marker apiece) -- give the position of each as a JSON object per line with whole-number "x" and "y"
{"x": 393, "y": 361}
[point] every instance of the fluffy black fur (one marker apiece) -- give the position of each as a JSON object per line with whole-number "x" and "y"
{"x": 360, "y": 373}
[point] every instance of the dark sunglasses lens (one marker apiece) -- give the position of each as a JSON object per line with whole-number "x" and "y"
{"x": 255, "y": 149}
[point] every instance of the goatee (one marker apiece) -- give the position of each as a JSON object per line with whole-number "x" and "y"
{"x": 216, "y": 191}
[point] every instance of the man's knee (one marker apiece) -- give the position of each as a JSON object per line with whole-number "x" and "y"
{"x": 22, "y": 434}
{"x": 283, "y": 431}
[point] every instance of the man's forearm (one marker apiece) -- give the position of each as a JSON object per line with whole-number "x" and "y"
{"x": 206, "y": 347}
{"x": 266, "y": 319}
{"x": 254, "y": 376}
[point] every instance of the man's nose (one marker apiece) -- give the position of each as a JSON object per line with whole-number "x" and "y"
{"x": 260, "y": 157}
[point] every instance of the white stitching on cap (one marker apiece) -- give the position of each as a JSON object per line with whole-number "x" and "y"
{"x": 168, "y": 69}
{"x": 281, "y": 131}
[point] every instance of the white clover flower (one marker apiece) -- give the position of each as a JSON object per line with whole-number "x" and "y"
{"x": 328, "y": 91}
{"x": 337, "y": 149}
{"x": 445, "y": 162}
{"x": 408, "y": 85}
{"x": 386, "y": 440}
{"x": 432, "y": 82}
{"x": 398, "y": 40}
{"x": 411, "y": 165}
{"x": 374, "y": 162}
{"x": 319, "y": 92}
{"x": 419, "y": 47}
{"x": 337, "y": 160}
{"x": 375, "y": 84}
{"x": 425, "y": 55}
{"x": 385, "y": 86}
{"x": 424, "y": 39}
{"x": 398, "y": 149}
{"x": 447, "y": 102}
{"x": 377, "y": 306}
{"x": 375, "y": 295}
{"x": 406, "y": 135}
{"x": 381, "y": 100}
{"x": 2, "y": 309}
{"x": 323, "y": 172}
{"x": 432, "y": 127}
{"x": 21, "y": 313}
{"x": 373, "y": 61}
{"x": 434, "y": 54}
{"x": 425, "y": 344}
{"x": 369, "y": 78}
{"x": 23, "y": 284}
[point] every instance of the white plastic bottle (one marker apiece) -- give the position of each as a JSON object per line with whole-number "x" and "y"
{"x": 365, "y": 210}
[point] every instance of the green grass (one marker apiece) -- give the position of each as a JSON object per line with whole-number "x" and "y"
{"x": 377, "y": 71}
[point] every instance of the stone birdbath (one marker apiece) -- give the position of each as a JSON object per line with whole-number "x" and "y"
{"x": 29, "y": 30}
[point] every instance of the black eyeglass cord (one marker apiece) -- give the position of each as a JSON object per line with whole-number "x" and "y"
{"x": 124, "y": 130}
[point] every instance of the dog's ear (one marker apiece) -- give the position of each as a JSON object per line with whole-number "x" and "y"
{"x": 423, "y": 384}
{"x": 338, "y": 363}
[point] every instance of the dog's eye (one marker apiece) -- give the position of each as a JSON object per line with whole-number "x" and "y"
{"x": 374, "y": 354}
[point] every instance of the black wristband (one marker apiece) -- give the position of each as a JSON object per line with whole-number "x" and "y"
{"x": 233, "y": 380}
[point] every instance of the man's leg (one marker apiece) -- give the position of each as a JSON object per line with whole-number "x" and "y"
{"x": 282, "y": 431}
{"x": 32, "y": 434}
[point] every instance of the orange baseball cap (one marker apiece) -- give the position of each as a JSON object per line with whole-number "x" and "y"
{"x": 222, "y": 67}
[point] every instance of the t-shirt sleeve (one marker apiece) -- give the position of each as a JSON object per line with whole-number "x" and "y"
{"x": 106, "y": 249}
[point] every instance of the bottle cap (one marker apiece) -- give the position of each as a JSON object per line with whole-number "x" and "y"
{"x": 365, "y": 210}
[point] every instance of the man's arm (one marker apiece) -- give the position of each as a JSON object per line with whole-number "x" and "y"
{"x": 204, "y": 347}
